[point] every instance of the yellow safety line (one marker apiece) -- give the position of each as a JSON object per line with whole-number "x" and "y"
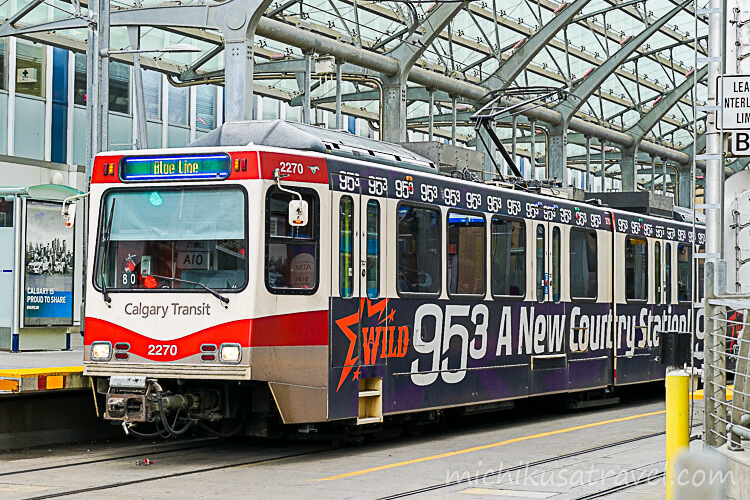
{"x": 493, "y": 445}
{"x": 31, "y": 372}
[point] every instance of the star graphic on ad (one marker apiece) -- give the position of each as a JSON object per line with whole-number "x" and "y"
{"x": 352, "y": 321}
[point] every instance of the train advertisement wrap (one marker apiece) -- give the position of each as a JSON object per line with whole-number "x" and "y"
{"x": 48, "y": 263}
{"x": 446, "y": 353}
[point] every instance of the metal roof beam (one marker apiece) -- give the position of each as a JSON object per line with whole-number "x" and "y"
{"x": 523, "y": 55}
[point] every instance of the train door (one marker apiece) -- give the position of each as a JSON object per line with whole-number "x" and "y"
{"x": 360, "y": 337}
{"x": 549, "y": 371}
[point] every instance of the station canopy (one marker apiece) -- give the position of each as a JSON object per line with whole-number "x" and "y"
{"x": 480, "y": 38}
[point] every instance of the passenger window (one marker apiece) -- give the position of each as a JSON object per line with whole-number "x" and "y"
{"x": 657, "y": 273}
{"x": 373, "y": 249}
{"x": 508, "y": 248}
{"x": 540, "y": 282}
{"x": 466, "y": 244}
{"x": 701, "y": 292}
{"x": 346, "y": 245}
{"x": 668, "y": 273}
{"x": 583, "y": 264}
{"x": 555, "y": 286}
{"x": 684, "y": 265}
{"x": 418, "y": 249}
{"x": 636, "y": 268}
{"x": 291, "y": 251}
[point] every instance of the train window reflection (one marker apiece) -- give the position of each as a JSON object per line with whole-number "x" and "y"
{"x": 418, "y": 249}
{"x": 657, "y": 273}
{"x": 291, "y": 251}
{"x": 636, "y": 268}
{"x": 466, "y": 243}
{"x": 667, "y": 273}
{"x": 583, "y": 262}
{"x": 541, "y": 282}
{"x": 684, "y": 271}
{"x": 173, "y": 239}
{"x": 346, "y": 244}
{"x": 373, "y": 249}
{"x": 555, "y": 285}
{"x": 508, "y": 247}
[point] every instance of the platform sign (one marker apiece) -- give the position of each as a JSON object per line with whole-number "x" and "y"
{"x": 735, "y": 100}
{"x": 48, "y": 267}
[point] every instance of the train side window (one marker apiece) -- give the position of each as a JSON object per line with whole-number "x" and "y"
{"x": 636, "y": 268}
{"x": 667, "y": 273}
{"x": 418, "y": 248}
{"x": 540, "y": 282}
{"x": 346, "y": 245}
{"x": 701, "y": 291}
{"x": 466, "y": 246}
{"x": 508, "y": 257}
{"x": 373, "y": 249}
{"x": 555, "y": 286}
{"x": 684, "y": 268}
{"x": 583, "y": 264}
{"x": 292, "y": 253}
{"x": 657, "y": 273}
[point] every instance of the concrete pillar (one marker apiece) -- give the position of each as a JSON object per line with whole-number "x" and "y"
{"x": 629, "y": 168}
{"x": 558, "y": 151}
{"x": 394, "y": 109}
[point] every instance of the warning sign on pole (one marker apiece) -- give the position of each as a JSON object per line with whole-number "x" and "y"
{"x": 735, "y": 99}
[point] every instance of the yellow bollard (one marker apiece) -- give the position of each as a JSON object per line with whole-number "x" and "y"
{"x": 678, "y": 422}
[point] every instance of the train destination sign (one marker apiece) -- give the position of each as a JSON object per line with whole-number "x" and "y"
{"x": 173, "y": 168}
{"x": 735, "y": 101}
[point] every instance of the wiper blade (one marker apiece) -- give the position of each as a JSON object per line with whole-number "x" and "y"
{"x": 208, "y": 289}
{"x": 106, "y": 240}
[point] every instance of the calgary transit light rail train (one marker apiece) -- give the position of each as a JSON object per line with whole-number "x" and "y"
{"x": 275, "y": 277}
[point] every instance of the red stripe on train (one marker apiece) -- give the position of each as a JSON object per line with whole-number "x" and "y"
{"x": 301, "y": 329}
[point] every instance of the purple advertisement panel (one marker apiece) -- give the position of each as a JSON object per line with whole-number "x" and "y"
{"x": 437, "y": 353}
{"x": 48, "y": 267}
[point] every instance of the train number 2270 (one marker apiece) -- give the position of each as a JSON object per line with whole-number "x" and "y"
{"x": 162, "y": 350}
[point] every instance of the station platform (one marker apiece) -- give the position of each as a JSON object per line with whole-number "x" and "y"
{"x": 43, "y": 371}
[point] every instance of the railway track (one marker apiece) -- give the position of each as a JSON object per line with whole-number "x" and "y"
{"x": 483, "y": 477}
{"x": 152, "y": 473}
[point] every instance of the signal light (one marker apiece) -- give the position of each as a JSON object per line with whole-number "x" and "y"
{"x": 208, "y": 357}
{"x": 208, "y": 347}
{"x": 108, "y": 169}
{"x": 121, "y": 355}
{"x": 243, "y": 164}
{"x": 122, "y": 346}
{"x": 236, "y": 165}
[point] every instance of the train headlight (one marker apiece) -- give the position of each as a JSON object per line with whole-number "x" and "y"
{"x": 230, "y": 353}
{"x": 101, "y": 351}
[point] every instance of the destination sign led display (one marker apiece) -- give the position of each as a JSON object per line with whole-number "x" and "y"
{"x": 176, "y": 168}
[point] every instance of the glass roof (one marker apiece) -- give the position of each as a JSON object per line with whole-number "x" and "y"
{"x": 480, "y": 37}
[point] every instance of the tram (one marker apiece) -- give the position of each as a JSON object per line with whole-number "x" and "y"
{"x": 277, "y": 277}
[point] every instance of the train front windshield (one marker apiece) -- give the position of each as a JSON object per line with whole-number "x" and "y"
{"x": 172, "y": 238}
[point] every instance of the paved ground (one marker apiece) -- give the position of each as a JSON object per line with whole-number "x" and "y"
{"x": 41, "y": 359}
{"x": 524, "y": 453}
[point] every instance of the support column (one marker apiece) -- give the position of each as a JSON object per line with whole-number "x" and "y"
{"x": 588, "y": 163}
{"x": 629, "y": 168}
{"x": 653, "y": 174}
{"x": 306, "y": 88}
{"x": 339, "y": 63}
{"x": 453, "y": 120}
{"x": 139, "y": 110}
{"x": 431, "y": 128}
{"x": 489, "y": 152}
{"x": 604, "y": 165}
{"x": 558, "y": 151}
{"x": 394, "y": 109}
{"x": 684, "y": 183}
{"x": 103, "y": 77}
{"x": 532, "y": 151}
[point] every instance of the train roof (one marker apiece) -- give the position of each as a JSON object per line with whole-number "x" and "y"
{"x": 302, "y": 137}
